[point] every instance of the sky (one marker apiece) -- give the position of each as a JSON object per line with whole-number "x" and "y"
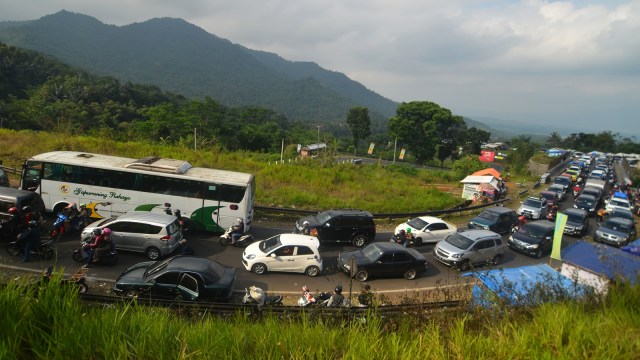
{"x": 569, "y": 66}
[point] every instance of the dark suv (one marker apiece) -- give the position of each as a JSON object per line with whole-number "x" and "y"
{"x": 498, "y": 219}
{"x": 340, "y": 226}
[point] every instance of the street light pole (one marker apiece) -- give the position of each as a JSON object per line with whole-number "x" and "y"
{"x": 318, "y": 144}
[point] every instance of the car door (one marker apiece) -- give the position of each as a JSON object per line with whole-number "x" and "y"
{"x": 436, "y": 232}
{"x": 383, "y": 266}
{"x": 164, "y": 286}
{"x": 503, "y": 224}
{"x": 482, "y": 251}
{"x": 121, "y": 235}
{"x": 547, "y": 242}
{"x": 303, "y": 257}
{"x": 281, "y": 259}
{"x": 401, "y": 263}
{"x": 188, "y": 287}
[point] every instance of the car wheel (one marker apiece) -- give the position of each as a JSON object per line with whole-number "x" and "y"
{"x": 496, "y": 259}
{"x": 362, "y": 275}
{"x": 130, "y": 294}
{"x": 417, "y": 242}
{"x": 259, "y": 269}
{"x": 359, "y": 241}
{"x": 312, "y": 271}
{"x": 464, "y": 266}
{"x": 153, "y": 253}
{"x": 410, "y": 274}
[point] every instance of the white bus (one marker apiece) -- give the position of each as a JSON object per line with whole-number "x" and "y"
{"x": 111, "y": 186}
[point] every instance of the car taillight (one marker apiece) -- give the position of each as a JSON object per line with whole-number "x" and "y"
{"x": 233, "y": 207}
{"x": 165, "y": 238}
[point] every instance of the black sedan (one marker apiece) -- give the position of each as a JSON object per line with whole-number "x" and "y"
{"x": 382, "y": 259}
{"x": 533, "y": 238}
{"x": 179, "y": 277}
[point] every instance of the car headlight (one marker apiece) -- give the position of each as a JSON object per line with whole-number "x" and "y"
{"x": 251, "y": 256}
{"x": 456, "y": 255}
{"x": 347, "y": 266}
{"x": 599, "y": 233}
{"x": 592, "y": 209}
{"x": 533, "y": 246}
{"x": 579, "y": 227}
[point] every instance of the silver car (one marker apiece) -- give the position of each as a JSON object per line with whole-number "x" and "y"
{"x": 472, "y": 247}
{"x": 154, "y": 234}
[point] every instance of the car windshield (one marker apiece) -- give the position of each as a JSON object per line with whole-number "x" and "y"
{"x": 621, "y": 203}
{"x": 563, "y": 181}
{"x": 489, "y": 215}
{"x": 621, "y": 214}
{"x": 584, "y": 202}
{"x": 548, "y": 195}
{"x": 616, "y": 226}
{"x": 157, "y": 266}
{"x": 417, "y": 223}
{"x": 533, "y": 203}
{"x": 323, "y": 217}
{"x": 575, "y": 218}
{"x": 270, "y": 244}
{"x": 372, "y": 252}
{"x": 556, "y": 188}
{"x": 459, "y": 241}
{"x": 536, "y": 232}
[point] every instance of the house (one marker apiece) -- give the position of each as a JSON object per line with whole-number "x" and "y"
{"x": 598, "y": 265}
{"x": 310, "y": 150}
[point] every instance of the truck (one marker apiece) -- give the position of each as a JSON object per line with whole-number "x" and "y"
{"x": 600, "y": 184}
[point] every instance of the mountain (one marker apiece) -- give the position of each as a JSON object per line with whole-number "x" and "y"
{"x": 182, "y": 58}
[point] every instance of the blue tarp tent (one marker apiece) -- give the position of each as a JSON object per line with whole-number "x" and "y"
{"x": 604, "y": 260}
{"x": 620, "y": 194}
{"x": 526, "y": 285}
{"x": 632, "y": 248}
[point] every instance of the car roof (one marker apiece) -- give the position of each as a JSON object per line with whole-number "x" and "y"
{"x": 432, "y": 219}
{"x": 620, "y": 220}
{"x": 499, "y": 209}
{"x": 477, "y": 234}
{"x": 576, "y": 211}
{"x": 541, "y": 224}
{"x": 299, "y": 239}
{"x": 335, "y": 212}
{"x": 586, "y": 196}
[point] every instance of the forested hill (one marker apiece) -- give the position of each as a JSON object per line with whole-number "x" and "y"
{"x": 182, "y": 58}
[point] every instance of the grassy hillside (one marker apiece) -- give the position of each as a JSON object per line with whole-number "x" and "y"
{"x": 313, "y": 184}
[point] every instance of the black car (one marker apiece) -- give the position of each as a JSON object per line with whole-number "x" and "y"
{"x": 616, "y": 231}
{"x": 383, "y": 259}
{"x": 4, "y": 179}
{"x": 577, "y": 222}
{"x": 587, "y": 202}
{"x": 179, "y": 277}
{"x": 563, "y": 180}
{"x": 533, "y": 238}
{"x": 622, "y": 213}
{"x": 595, "y": 192}
{"x": 497, "y": 219}
{"x": 551, "y": 197}
{"x": 340, "y": 226}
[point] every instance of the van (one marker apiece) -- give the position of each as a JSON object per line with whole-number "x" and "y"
{"x": 10, "y": 197}
{"x": 154, "y": 234}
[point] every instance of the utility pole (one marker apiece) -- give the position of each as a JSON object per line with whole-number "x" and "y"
{"x": 395, "y": 144}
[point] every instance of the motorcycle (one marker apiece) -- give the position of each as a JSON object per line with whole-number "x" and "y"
{"x": 576, "y": 191}
{"x": 185, "y": 223}
{"x": 44, "y": 249}
{"x": 243, "y": 241}
{"x": 57, "y": 229}
{"x": 81, "y": 255}
{"x": 551, "y": 214}
{"x": 306, "y": 299}
{"x": 255, "y": 295}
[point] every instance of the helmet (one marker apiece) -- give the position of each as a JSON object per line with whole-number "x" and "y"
{"x": 338, "y": 289}
{"x": 82, "y": 206}
{"x": 305, "y": 223}
{"x": 33, "y": 223}
{"x": 97, "y": 231}
{"x": 167, "y": 205}
{"x": 239, "y": 221}
{"x": 521, "y": 218}
{"x": 26, "y": 209}
{"x": 106, "y": 231}
{"x": 13, "y": 210}
{"x": 408, "y": 230}
{"x": 305, "y": 288}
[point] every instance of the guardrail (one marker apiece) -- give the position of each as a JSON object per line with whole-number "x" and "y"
{"x": 13, "y": 170}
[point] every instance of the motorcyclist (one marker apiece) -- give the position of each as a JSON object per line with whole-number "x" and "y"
{"x": 83, "y": 214}
{"x": 237, "y": 231}
{"x": 365, "y": 298}
{"x": 408, "y": 239}
{"x": 14, "y": 223}
{"x": 401, "y": 236}
{"x": 30, "y": 238}
{"x": 306, "y": 295}
{"x": 29, "y": 214}
{"x": 337, "y": 298}
{"x": 89, "y": 247}
{"x": 305, "y": 228}
{"x": 104, "y": 246}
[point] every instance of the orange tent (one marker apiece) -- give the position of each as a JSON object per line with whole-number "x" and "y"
{"x": 488, "y": 171}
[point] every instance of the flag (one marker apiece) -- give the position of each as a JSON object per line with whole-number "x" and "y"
{"x": 561, "y": 221}
{"x": 486, "y": 156}
{"x": 371, "y": 148}
{"x": 401, "y": 154}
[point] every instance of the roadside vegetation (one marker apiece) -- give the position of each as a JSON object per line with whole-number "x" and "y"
{"x": 51, "y": 322}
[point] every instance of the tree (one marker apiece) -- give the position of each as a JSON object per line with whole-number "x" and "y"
{"x": 466, "y": 166}
{"x": 425, "y": 127}
{"x": 360, "y": 124}
{"x": 554, "y": 140}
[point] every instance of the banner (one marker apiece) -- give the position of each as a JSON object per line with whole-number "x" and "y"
{"x": 487, "y": 156}
{"x": 561, "y": 221}
{"x": 401, "y": 154}
{"x": 371, "y": 149}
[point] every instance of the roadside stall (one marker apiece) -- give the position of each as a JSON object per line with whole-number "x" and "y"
{"x": 478, "y": 187}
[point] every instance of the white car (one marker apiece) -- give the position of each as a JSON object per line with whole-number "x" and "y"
{"x": 617, "y": 203}
{"x": 284, "y": 252}
{"x": 428, "y": 229}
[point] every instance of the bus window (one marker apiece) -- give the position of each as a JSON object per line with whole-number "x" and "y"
{"x": 231, "y": 193}
{"x": 211, "y": 192}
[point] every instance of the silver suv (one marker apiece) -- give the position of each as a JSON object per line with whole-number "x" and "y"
{"x": 472, "y": 247}
{"x": 533, "y": 208}
{"x": 153, "y": 234}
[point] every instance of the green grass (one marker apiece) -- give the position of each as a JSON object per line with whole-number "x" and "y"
{"x": 50, "y": 322}
{"x": 312, "y": 184}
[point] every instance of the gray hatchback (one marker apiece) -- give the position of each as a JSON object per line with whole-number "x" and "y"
{"x": 471, "y": 247}
{"x": 154, "y": 234}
